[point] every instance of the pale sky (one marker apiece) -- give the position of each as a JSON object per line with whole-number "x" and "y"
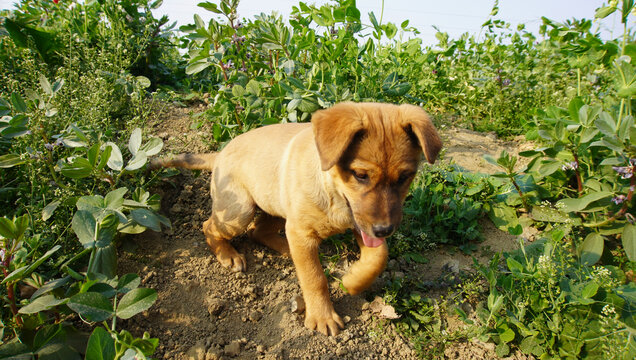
{"x": 452, "y": 16}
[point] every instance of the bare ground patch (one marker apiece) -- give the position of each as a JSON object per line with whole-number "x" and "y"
{"x": 205, "y": 311}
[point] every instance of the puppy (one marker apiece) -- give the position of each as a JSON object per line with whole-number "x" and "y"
{"x": 350, "y": 168}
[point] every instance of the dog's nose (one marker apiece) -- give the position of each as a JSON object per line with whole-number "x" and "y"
{"x": 382, "y": 230}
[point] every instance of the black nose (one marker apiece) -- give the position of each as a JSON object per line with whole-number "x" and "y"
{"x": 382, "y": 230}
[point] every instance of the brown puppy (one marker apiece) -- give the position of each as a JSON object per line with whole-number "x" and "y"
{"x": 349, "y": 169}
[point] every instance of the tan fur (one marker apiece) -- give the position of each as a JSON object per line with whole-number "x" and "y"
{"x": 302, "y": 178}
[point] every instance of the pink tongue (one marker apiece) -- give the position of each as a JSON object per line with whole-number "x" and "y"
{"x": 371, "y": 241}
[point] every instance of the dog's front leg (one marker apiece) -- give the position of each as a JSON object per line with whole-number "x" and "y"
{"x": 319, "y": 313}
{"x": 364, "y": 271}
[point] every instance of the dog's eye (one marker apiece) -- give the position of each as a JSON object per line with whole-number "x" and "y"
{"x": 361, "y": 177}
{"x": 403, "y": 178}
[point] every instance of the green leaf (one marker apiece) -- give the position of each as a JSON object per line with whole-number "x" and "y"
{"x": 84, "y": 225}
{"x": 42, "y": 303}
{"x": 574, "y": 107}
{"x": 15, "y": 350}
{"x": 579, "y": 204}
{"x": 51, "y": 285}
{"x": 115, "y": 199}
{"x": 390, "y": 30}
{"x": 91, "y": 306}
{"x": 128, "y": 282}
{"x": 105, "y": 261}
{"x": 15, "y": 275}
{"x": 115, "y": 160}
{"x": 105, "y": 156}
{"x": 548, "y": 214}
{"x": 46, "y": 85}
{"x": 79, "y": 168}
{"x": 101, "y": 345}
{"x": 152, "y": 147}
{"x": 8, "y": 229}
{"x": 92, "y": 154}
{"x": 604, "y": 12}
{"x": 531, "y": 345}
{"x": 514, "y": 265}
{"x": 507, "y": 335}
{"x": 41, "y": 259}
{"x": 503, "y": 216}
{"x": 135, "y": 301}
{"x": 139, "y": 160}
{"x": 10, "y": 160}
{"x": 18, "y": 103}
{"x": 146, "y": 218}
{"x": 238, "y": 91}
{"x": 135, "y": 141}
{"x": 592, "y": 248}
{"x": 549, "y": 167}
{"x": 606, "y": 124}
{"x": 197, "y": 67}
{"x": 589, "y": 290}
{"x": 629, "y": 241}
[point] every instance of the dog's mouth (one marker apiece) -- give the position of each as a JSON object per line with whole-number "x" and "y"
{"x": 368, "y": 240}
{"x": 371, "y": 241}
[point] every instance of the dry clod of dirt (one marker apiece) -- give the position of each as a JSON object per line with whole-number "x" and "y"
{"x": 205, "y": 311}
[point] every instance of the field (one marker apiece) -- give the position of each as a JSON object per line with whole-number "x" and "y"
{"x": 520, "y": 242}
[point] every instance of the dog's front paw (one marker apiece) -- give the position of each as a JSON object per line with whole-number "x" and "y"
{"x": 327, "y": 322}
{"x": 232, "y": 260}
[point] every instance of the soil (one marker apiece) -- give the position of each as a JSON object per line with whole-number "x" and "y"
{"x": 205, "y": 311}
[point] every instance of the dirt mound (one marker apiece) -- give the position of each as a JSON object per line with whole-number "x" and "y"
{"x": 205, "y": 311}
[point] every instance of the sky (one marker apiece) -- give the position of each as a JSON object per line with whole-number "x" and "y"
{"x": 452, "y": 16}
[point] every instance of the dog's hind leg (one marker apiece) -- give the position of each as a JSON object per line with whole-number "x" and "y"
{"x": 266, "y": 231}
{"x": 232, "y": 211}
{"x": 364, "y": 271}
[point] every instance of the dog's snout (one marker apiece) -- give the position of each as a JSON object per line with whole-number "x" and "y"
{"x": 382, "y": 230}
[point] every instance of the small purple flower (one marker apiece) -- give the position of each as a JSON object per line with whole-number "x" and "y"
{"x": 238, "y": 25}
{"x": 573, "y": 165}
{"x": 239, "y": 108}
{"x": 237, "y": 39}
{"x": 625, "y": 172}
{"x": 243, "y": 68}
{"x": 58, "y": 142}
{"x": 28, "y": 132}
{"x": 619, "y": 199}
{"x": 506, "y": 82}
{"x": 434, "y": 72}
{"x": 49, "y": 147}
{"x": 248, "y": 55}
{"x": 630, "y": 218}
{"x": 228, "y": 65}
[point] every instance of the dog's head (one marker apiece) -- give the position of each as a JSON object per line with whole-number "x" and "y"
{"x": 372, "y": 152}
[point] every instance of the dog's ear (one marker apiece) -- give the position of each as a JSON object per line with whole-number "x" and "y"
{"x": 416, "y": 122}
{"x": 334, "y": 129}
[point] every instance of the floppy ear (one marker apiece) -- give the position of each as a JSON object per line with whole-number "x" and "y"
{"x": 416, "y": 122}
{"x": 334, "y": 129}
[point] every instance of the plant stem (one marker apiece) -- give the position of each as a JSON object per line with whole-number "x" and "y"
{"x": 11, "y": 292}
{"x": 579, "y": 181}
{"x": 521, "y": 194}
{"x": 578, "y": 83}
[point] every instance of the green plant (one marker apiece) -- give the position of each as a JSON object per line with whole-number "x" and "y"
{"x": 551, "y": 305}
{"x": 443, "y": 207}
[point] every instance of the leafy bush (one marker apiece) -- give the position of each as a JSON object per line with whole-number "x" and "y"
{"x": 551, "y": 304}
{"x": 443, "y": 207}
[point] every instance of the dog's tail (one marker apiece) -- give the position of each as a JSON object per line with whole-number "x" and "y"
{"x": 185, "y": 161}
